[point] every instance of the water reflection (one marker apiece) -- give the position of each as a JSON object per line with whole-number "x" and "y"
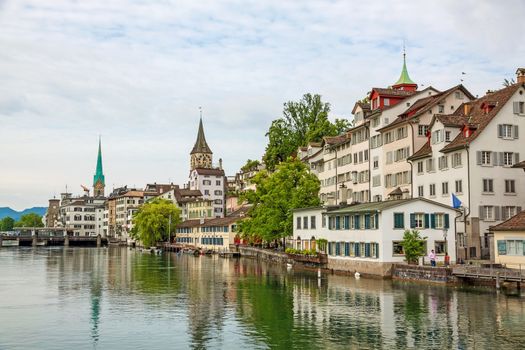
{"x": 119, "y": 298}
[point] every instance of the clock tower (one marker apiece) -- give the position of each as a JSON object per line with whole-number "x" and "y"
{"x": 201, "y": 154}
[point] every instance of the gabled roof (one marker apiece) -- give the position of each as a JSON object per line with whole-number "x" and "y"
{"x": 229, "y": 219}
{"x": 515, "y": 223}
{"x": 423, "y": 152}
{"x": 201, "y": 146}
{"x": 380, "y": 206}
{"x": 364, "y": 106}
{"x": 389, "y": 92}
{"x": 452, "y": 120}
{"x": 204, "y": 171}
{"x": 334, "y": 140}
{"x": 520, "y": 165}
{"x": 425, "y": 104}
{"x": 478, "y": 118}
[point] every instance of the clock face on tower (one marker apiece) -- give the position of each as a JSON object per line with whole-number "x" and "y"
{"x": 201, "y": 160}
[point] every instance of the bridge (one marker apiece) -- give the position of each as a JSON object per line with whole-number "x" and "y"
{"x": 49, "y": 236}
{"x": 492, "y": 272}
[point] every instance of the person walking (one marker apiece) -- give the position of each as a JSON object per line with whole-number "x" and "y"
{"x": 432, "y": 257}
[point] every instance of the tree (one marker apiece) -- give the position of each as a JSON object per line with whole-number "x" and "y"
{"x": 7, "y": 224}
{"x": 250, "y": 165}
{"x": 302, "y": 122}
{"x": 30, "y": 220}
{"x": 413, "y": 246}
{"x": 151, "y": 221}
{"x": 291, "y": 186}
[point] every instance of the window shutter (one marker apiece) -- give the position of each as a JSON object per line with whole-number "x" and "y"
{"x": 502, "y": 247}
{"x": 377, "y": 250}
{"x": 516, "y": 158}
{"x": 496, "y": 213}
{"x": 518, "y": 210}
{"x": 500, "y": 130}
{"x": 356, "y": 249}
{"x": 503, "y": 213}
{"x": 494, "y": 158}
{"x": 412, "y": 220}
{"x": 478, "y": 156}
{"x": 432, "y": 220}
{"x": 516, "y": 135}
{"x": 367, "y": 221}
{"x": 481, "y": 212}
{"x": 376, "y": 218}
{"x": 447, "y": 221}
{"x": 356, "y": 221}
{"x": 516, "y": 107}
{"x": 427, "y": 220}
{"x": 501, "y": 159}
{"x": 367, "y": 250}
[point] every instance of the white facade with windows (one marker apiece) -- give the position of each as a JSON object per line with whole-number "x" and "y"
{"x": 83, "y": 216}
{"x": 212, "y": 184}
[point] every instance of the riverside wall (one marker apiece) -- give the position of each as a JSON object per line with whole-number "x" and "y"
{"x": 440, "y": 275}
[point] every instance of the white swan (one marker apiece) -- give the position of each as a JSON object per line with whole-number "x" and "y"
{"x": 357, "y": 275}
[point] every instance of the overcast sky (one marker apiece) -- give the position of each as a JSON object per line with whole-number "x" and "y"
{"x": 136, "y": 73}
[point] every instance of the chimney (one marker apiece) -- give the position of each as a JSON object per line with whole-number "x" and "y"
{"x": 220, "y": 163}
{"x": 520, "y": 75}
{"x": 466, "y": 108}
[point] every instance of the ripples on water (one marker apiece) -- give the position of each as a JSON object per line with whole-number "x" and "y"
{"x": 87, "y": 298}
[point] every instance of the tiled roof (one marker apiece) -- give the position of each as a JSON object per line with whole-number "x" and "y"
{"x": 230, "y": 219}
{"x": 393, "y": 92}
{"x": 479, "y": 119}
{"x": 203, "y": 171}
{"x": 364, "y": 106}
{"x": 424, "y": 151}
{"x": 189, "y": 223}
{"x": 515, "y": 223}
{"x": 452, "y": 120}
{"x": 520, "y": 165}
{"x": 334, "y": 140}
{"x": 379, "y": 206}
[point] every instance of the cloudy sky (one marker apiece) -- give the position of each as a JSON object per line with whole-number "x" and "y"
{"x": 136, "y": 73}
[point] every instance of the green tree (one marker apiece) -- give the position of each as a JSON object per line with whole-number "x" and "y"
{"x": 291, "y": 186}
{"x": 413, "y": 246}
{"x": 250, "y": 165}
{"x": 7, "y": 224}
{"x": 30, "y": 220}
{"x": 302, "y": 122}
{"x": 151, "y": 221}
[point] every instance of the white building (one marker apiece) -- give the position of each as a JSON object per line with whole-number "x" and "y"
{"x": 471, "y": 154}
{"x": 82, "y": 216}
{"x": 367, "y": 237}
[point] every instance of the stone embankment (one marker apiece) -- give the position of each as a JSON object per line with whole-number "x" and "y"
{"x": 441, "y": 275}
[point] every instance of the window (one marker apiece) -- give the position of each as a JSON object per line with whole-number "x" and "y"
{"x": 376, "y": 180}
{"x": 206, "y": 182}
{"x": 441, "y": 109}
{"x": 312, "y": 222}
{"x": 488, "y": 212}
{"x": 444, "y": 188}
{"x": 218, "y": 182}
{"x": 420, "y": 167}
{"x": 508, "y": 212}
{"x": 430, "y": 165}
{"x": 399, "y": 220}
{"x": 510, "y": 247}
{"x": 508, "y": 158}
{"x": 422, "y": 130}
{"x": 376, "y": 162}
{"x": 456, "y": 160}
{"x": 485, "y": 157}
{"x": 386, "y": 102}
{"x": 437, "y": 136}
{"x": 488, "y": 185}
{"x": 447, "y": 136}
{"x": 510, "y": 186}
{"x": 432, "y": 189}
{"x": 443, "y": 162}
{"x": 458, "y": 95}
{"x": 375, "y": 122}
{"x": 218, "y": 192}
{"x": 401, "y": 133}
{"x": 397, "y": 248}
{"x": 459, "y": 186}
{"x": 298, "y": 226}
{"x": 388, "y": 137}
{"x": 420, "y": 191}
{"x": 439, "y": 221}
{"x": 305, "y": 222}
{"x": 505, "y": 131}
{"x": 439, "y": 247}
{"x": 388, "y": 157}
{"x": 206, "y": 192}
{"x": 519, "y": 107}
{"x": 419, "y": 220}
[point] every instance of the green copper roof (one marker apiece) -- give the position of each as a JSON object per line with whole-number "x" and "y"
{"x": 99, "y": 174}
{"x": 201, "y": 146}
{"x": 404, "y": 78}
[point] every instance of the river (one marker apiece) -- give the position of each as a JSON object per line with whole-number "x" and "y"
{"x": 116, "y": 298}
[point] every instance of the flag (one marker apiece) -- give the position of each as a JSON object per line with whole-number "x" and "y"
{"x": 456, "y": 203}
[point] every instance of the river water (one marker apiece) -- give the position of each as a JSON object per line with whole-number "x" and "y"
{"x": 116, "y": 298}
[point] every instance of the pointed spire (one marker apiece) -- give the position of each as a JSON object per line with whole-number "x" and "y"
{"x": 201, "y": 146}
{"x": 404, "y": 79}
{"x": 99, "y": 173}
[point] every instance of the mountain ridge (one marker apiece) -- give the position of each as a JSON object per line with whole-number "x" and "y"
{"x": 7, "y": 211}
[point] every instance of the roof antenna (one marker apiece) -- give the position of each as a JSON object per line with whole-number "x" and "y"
{"x": 200, "y": 111}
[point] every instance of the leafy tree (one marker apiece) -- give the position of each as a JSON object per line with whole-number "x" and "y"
{"x": 151, "y": 221}
{"x": 30, "y": 220}
{"x": 302, "y": 122}
{"x": 7, "y": 224}
{"x": 291, "y": 186}
{"x": 250, "y": 164}
{"x": 413, "y": 246}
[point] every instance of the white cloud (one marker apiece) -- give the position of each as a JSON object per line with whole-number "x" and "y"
{"x": 136, "y": 72}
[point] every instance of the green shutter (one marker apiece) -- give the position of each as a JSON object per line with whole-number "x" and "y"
{"x": 337, "y": 222}
{"x": 502, "y": 247}
{"x": 356, "y": 246}
{"x": 376, "y": 218}
{"x": 367, "y": 250}
{"x": 377, "y": 250}
{"x": 447, "y": 221}
{"x": 412, "y": 220}
{"x": 356, "y": 222}
{"x": 427, "y": 220}
{"x": 432, "y": 220}
{"x": 347, "y": 249}
{"x": 367, "y": 221}
{"x": 347, "y": 222}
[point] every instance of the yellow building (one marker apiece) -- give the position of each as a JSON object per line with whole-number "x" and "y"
{"x": 509, "y": 241}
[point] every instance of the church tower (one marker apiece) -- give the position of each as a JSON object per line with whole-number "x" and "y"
{"x": 98, "y": 180}
{"x": 404, "y": 82}
{"x": 201, "y": 154}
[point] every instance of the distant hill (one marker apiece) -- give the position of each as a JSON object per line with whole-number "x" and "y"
{"x": 6, "y": 211}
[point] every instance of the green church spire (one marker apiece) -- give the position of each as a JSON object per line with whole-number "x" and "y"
{"x": 99, "y": 174}
{"x": 404, "y": 79}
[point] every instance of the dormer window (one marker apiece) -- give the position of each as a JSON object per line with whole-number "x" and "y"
{"x": 441, "y": 109}
{"x": 386, "y": 102}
